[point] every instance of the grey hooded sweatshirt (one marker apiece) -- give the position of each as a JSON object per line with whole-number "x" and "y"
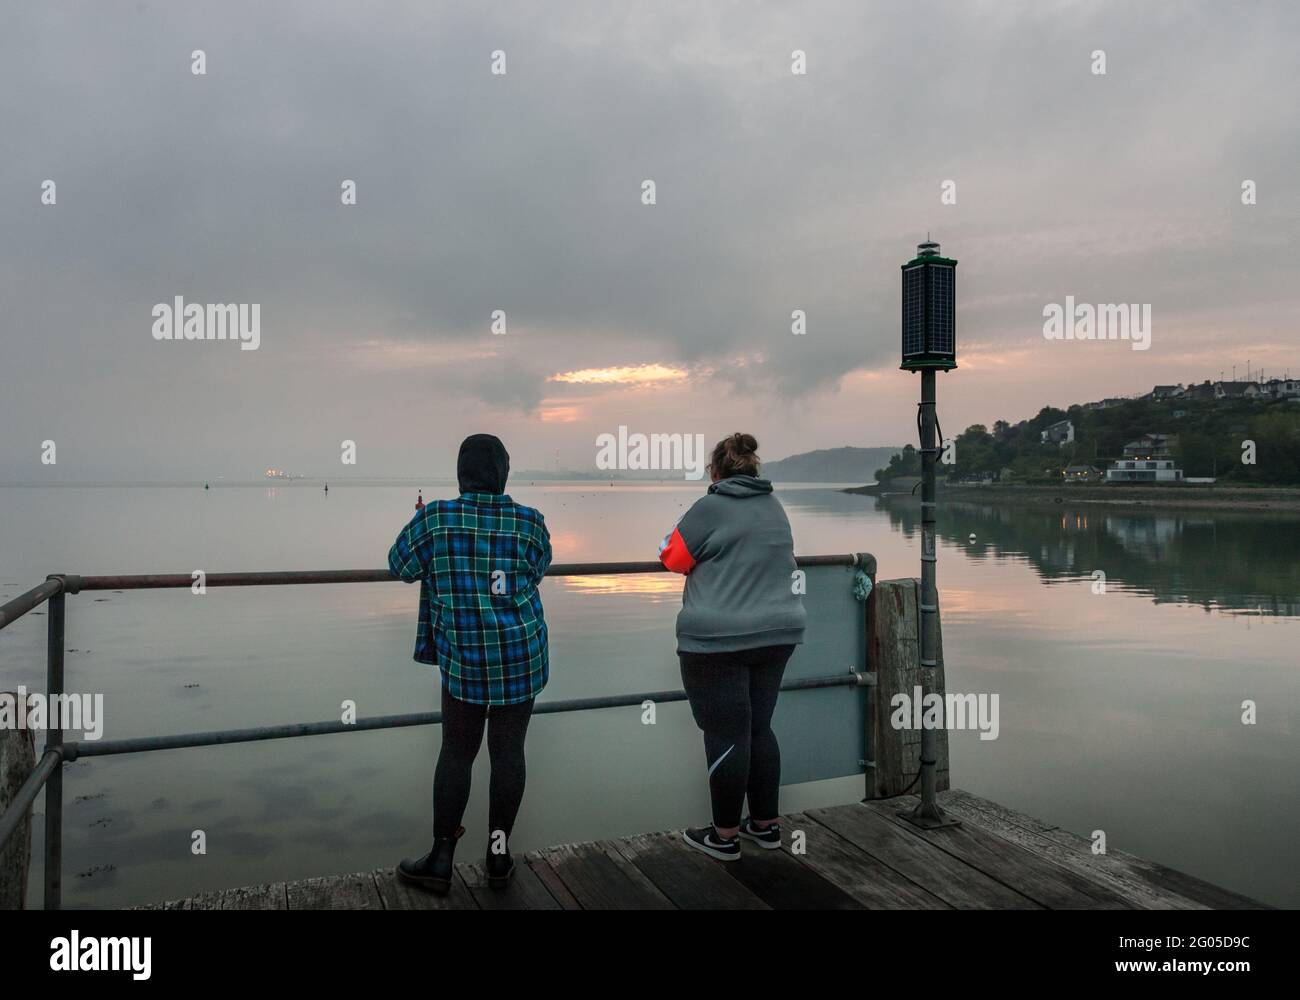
{"x": 735, "y": 547}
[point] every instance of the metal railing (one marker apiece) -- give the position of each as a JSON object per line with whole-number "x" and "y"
{"x": 48, "y": 771}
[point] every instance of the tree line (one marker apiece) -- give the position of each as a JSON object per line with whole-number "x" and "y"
{"x": 1211, "y": 439}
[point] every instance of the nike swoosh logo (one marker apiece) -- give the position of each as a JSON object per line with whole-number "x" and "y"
{"x": 721, "y": 759}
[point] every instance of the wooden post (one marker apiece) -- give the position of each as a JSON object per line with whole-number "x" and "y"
{"x": 895, "y": 654}
{"x": 17, "y": 758}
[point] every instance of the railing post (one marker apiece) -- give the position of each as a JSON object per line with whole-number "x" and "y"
{"x": 54, "y": 740}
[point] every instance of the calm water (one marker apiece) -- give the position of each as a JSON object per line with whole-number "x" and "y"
{"x": 1119, "y": 711}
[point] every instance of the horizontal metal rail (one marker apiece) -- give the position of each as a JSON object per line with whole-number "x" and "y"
{"x": 14, "y": 609}
{"x": 223, "y": 737}
{"x": 154, "y": 581}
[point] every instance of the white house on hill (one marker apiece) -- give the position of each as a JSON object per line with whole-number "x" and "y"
{"x": 1060, "y": 433}
{"x": 1146, "y": 460}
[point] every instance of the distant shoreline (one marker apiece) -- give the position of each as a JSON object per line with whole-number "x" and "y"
{"x": 1284, "y": 499}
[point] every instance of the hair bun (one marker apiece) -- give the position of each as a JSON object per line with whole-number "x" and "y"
{"x": 735, "y": 455}
{"x": 744, "y": 444}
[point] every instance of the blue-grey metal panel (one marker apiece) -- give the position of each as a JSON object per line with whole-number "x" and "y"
{"x": 821, "y": 732}
{"x": 913, "y": 311}
{"x": 941, "y": 310}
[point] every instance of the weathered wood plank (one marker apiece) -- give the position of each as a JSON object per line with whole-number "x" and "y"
{"x": 687, "y": 877}
{"x": 601, "y": 881}
{"x": 394, "y": 894}
{"x": 631, "y": 872}
{"x": 857, "y": 873}
{"x": 953, "y": 881}
{"x": 895, "y": 656}
{"x": 855, "y": 856}
{"x": 1143, "y": 883}
{"x": 783, "y": 883}
{"x": 335, "y": 892}
{"x": 17, "y": 759}
{"x": 1213, "y": 896}
{"x": 1045, "y": 882}
{"x": 268, "y": 896}
{"x": 206, "y": 900}
{"x": 525, "y": 892}
{"x": 1115, "y": 869}
{"x": 170, "y": 904}
{"x": 546, "y": 875}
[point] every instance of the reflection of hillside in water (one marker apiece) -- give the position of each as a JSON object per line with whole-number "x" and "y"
{"x": 1234, "y": 562}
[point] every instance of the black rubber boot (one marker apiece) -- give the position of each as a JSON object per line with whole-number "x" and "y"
{"x": 499, "y": 867}
{"x": 433, "y": 871}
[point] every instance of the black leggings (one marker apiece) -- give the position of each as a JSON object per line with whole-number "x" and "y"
{"x": 462, "y": 734}
{"x": 732, "y": 697}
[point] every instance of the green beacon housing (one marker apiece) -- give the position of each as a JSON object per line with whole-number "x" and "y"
{"x": 929, "y": 310}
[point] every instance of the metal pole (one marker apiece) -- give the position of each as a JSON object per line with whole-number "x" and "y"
{"x": 22, "y": 801}
{"x": 152, "y": 581}
{"x": 12, "y": 610}
{"x": 225, "y": 737}
{"x": 928, "y": 814}
{"x": 53, "y": 741}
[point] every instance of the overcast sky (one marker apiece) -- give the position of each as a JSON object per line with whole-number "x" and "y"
{"x": 522, "y": 192}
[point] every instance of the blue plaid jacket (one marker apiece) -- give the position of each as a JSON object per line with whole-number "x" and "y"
{"x": 479, "y": 559}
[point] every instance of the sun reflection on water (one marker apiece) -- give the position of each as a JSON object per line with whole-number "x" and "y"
{"x": 653, "y": 585}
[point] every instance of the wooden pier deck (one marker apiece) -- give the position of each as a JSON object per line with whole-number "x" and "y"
{"x": 860, "y": 856}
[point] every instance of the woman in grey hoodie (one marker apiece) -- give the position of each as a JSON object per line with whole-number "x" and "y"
{"x": 740, "y": 621}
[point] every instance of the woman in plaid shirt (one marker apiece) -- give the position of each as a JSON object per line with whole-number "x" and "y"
{"x": 479, "y": 560}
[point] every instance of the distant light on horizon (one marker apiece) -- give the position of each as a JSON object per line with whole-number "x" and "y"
{"x": 560, "y": 414}
{"x": 623, "y": 375}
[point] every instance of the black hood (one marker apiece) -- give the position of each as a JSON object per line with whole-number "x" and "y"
{"x": 483, "y": 464}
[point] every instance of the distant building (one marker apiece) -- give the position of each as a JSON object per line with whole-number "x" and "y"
{"x": 1147, "y": 460}
{"x": 1059, "y": 433}
{"x": 1167, "y": 391}
{"x": 1281, "y": 388}
{"x": 1080, "y": 473}
{"x": 1205, "y": 390}
{"x": 1236, "y": 390}
{"x": 1151, "y": 446}
{"x": 1149, "y": 471}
